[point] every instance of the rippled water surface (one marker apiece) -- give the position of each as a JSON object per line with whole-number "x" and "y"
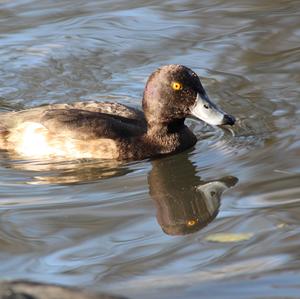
{"x": 221, "y": 220}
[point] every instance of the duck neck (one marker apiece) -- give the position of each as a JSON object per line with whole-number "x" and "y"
{"x": 166, "y": 128}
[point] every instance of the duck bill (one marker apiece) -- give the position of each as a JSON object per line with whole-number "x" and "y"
{"x": 207, "y": 111}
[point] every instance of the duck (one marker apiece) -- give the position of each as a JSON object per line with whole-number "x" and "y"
{"x": 106, "y": 130}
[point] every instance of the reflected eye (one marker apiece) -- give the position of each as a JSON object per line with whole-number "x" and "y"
{"x": 176, "y": 86}
{"x": 191, "y": 222}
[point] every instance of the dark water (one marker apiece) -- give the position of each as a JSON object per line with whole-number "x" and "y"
{"x": 163, "y": 228}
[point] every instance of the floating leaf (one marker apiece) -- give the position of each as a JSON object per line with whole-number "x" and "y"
{"x": 229, "y": 237}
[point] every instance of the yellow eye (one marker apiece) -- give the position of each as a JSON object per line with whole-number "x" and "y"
{"x": 177, "y": 86}
{"x": 191, "y": 222}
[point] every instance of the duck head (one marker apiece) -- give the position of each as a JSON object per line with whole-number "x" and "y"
{"x": 174, "y": 92}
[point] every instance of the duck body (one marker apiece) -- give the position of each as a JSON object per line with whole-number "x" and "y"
{"x": 110, "y": 130}
{"x": 88, "y": 130}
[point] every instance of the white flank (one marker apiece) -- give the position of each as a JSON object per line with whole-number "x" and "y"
{"x": 33, "y": 140}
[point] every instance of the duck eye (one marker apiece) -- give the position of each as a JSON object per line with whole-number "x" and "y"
{"x": 176, "y": 86}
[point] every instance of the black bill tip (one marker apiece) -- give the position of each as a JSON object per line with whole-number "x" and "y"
{"x": 228, "y": 120}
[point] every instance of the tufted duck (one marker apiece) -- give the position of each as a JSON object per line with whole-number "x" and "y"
{"x": 115, "y": 131}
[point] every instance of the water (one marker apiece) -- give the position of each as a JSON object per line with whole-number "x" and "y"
{"x": 161, "y": 228}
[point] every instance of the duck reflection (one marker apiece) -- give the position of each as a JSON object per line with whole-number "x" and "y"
{"x": 184, "y": 202}
{"x": 64, "y": 172}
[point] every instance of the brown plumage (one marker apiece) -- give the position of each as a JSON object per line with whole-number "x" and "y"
{"x": 110, "y": 130}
